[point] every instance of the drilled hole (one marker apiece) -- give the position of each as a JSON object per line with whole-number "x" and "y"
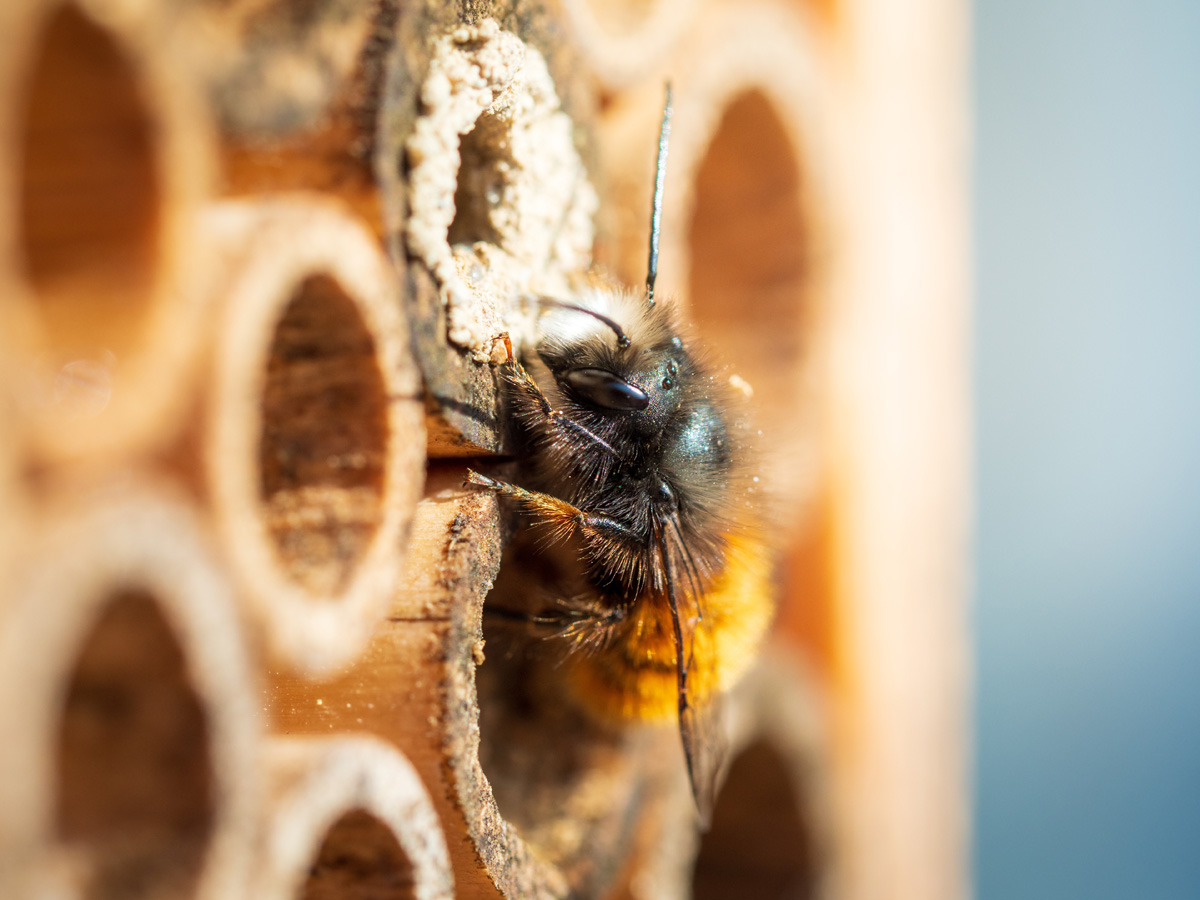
{"x": 135, "y": 793}
{"x": 88, "y": 191}
{"x": 567, "y": 782}
{"x": 759, "y": 844}
{"x": 324, "y": 437}
{"x": 484, "y": 162}
{"x": 748, "y": 241}
{"x": 360, "y": 859}
{"x": 516, "y": 217}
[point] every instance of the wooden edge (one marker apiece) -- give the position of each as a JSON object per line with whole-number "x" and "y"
{"x": 622, "y": 47}
{"x": 314, "y": 520}
{"x": 103, "y": 309}
{"x": 773, "y": 830}
{"x": 413, "y": 687}
{"x": 900, "y": 444}
{"x": 118, "y": 601}
{"x": 782, "y": 708}
{"x": 347, "y": 813}
{"x": 275, "y": 73}
{"x": 297, "y": 96}
{"x": 13, "y": 499}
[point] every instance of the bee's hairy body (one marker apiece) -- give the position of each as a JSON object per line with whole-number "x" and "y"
{"x": 627, "y": 453}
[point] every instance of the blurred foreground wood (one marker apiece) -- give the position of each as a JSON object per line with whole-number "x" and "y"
{"x": 123, "y": 661}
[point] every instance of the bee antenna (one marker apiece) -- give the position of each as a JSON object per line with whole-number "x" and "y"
{"x": 622, "y": 338}
{"x": 660, "y": 177}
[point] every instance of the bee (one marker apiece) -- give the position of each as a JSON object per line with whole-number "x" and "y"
{"x": 628, "y": 452}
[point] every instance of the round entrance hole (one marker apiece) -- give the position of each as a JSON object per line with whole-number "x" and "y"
{"x": 88, "y": 191}
{"x": 499, "y": 200}
{"x": 571, "y": 785}
{"x": 360, "y": 859}
{"x": 324, "y": 437}
{"x": 481, "y": 172}
{"x": 135, "y": 783}
{"x": 748, "y": 243}
{"x": 759, "y": 844}
{"x": 315, "y": 451}
{"x": 348, "y": 818}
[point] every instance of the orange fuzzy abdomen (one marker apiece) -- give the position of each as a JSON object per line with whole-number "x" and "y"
{"x": 635, "y": 677}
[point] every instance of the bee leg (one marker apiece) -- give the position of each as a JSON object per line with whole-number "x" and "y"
{"x": 538, "y": 405}
{"x": 559, "y": 514}
{"x": 563, "y": 617}
{"x": 578, "y": 619}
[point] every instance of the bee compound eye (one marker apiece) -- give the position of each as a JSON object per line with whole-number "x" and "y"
{"x": 607, "y": 390}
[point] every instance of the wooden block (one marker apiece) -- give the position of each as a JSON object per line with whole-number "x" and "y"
{"x": 534, "y": 802}
{"x": 105, "y": 154}
{"x": 813, "y": 233}
{"x": 134, "y": 767}
{"x": 314, "y": 430}
{"x": 347, "y": 816}
{"x": 414, "y": 686}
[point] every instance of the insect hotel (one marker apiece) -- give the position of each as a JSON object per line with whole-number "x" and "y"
{"x": 368, "y": 530}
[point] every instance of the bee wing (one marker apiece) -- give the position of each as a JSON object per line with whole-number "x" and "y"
{"x": 701, "y": 723}
{"x": 707, "y": 752}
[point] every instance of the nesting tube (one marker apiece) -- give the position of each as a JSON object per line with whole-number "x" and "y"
{"x": 105, "y": 155}
{"x": 273, "y": 73}
{"x": 130, "y": 767}
{"x": 294, "y": 94}
{"x": 415, "y": 687}
{"x": 521, "y": 822}
{"x": 315, "y": 449}
{"x": 347, "y": 817}
{"x": 624, "y": 42}
{"x": 774, "y": 825}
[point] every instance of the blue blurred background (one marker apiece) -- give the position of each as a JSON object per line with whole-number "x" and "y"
{"x": 1087, "y": 380}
